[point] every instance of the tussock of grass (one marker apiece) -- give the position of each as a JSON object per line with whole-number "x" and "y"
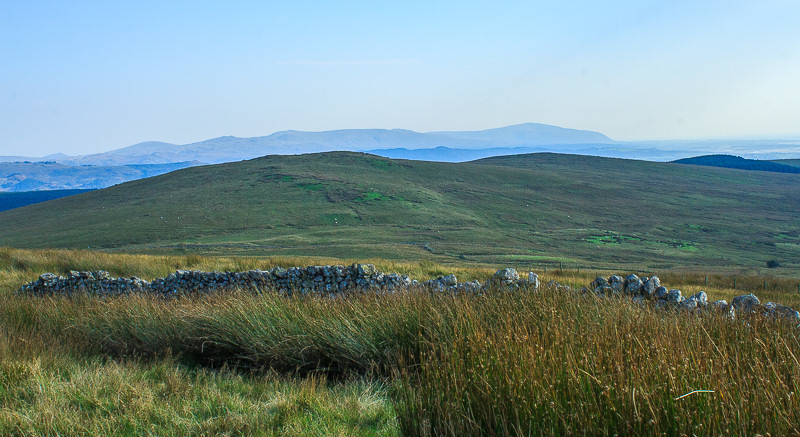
{"x": 46, "y": 392}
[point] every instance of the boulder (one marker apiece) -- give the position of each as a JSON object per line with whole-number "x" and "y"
{"x": 674, "y": 296}
{"x": 700, "y": 297}
{"x": 533, "y": 280}
{"x": 633, "y": 285}
{"x": 784, "y": 312}
{"x": 599, "y": 282}
{"x": 616, "y": 283}
{"x": 649, "y": 286}
{"x": 506, "y": 275}
{"x": 746, "y": 302}
{"x": 449, "y": 280}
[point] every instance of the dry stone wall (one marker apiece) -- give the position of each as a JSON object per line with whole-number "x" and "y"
{"x": 309, "y": 280}
{"x": 650, "y": 289}
{"x": 335, "y": 280}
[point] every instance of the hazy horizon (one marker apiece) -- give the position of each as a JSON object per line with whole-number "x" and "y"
{"x": 84, "y": 78}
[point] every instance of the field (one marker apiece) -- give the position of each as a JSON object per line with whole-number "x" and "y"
{"x": 533, "y": 211}
{"x": 543, "y": 363}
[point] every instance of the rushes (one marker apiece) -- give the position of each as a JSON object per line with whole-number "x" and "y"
{"x": 581, "y": 365}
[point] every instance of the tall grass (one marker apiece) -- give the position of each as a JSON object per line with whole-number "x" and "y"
{"x": 550, "y": 362}
{"x": 55, "y": 394}
{"x": 560, "y": 365}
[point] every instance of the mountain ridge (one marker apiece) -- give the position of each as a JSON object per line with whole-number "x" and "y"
{"x": 230, "y": 148}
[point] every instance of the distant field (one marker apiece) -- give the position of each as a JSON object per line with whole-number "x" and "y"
{"x": 540, "y": 210}
{"x": 16, "y": 200}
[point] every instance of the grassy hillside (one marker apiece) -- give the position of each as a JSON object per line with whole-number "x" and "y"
{"x": 539, "y": 210}
{"x": 794, "y": 162}
{"x": 730, "y": 161}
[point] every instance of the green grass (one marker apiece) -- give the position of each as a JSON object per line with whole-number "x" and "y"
{"x": 542, "y": 206}
{"x": 372, "y": 195}
{"x": 50, "y": 393}
{"x": 542, "y": 363}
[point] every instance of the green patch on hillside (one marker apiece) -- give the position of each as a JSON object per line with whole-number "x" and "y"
{"x": 610, "y": 239}
{"x": 372, "y": 196}
{"x": 278, "y": 178}
{"x": 383, "y": 164}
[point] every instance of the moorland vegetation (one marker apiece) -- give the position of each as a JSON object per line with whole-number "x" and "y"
{"x": 539, "y": 210}
{"x": 546, "y": 362}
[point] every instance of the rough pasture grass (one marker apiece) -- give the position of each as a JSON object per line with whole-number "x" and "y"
{"x": 47, "y": 390}
{"x": 560, "y": 365}
{"x": 546, "y": 363}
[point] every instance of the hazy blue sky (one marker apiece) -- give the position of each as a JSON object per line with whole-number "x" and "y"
{"x": 82, "y": 76}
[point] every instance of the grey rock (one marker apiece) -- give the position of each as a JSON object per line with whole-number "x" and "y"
{"x": 616, "y": 283}
{"x": 746, "y": 302}
{"x": 633, "y": 285}
{"x": 449, "y": 280}
{"x": 650, "y": 285}
{"x": 674, "y": 296}
{"x": 533, "y": 280}
{"x": 781, "y": 311}
{"x": 507, "y": 275}
{"x": 599, "y": 282}
{"x": 700, "y": 297}
{"x": 661, "y": 293}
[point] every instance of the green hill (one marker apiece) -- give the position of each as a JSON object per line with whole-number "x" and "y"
{"x": 794, "y": 162}
{"x": 730, "y": 161}
{"x": 526, "y": 209}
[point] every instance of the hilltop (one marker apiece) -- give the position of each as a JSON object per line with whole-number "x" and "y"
{"x": 730, "y": 161}
{"x": 528, "y": 209}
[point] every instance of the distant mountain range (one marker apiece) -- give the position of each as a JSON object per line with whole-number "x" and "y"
{"x": 38, "y": 176}
{"x": 114, "y": 166}
{"x": 228, "y": 148}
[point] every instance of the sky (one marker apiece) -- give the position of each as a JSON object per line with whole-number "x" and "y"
{"x": 83, "y": 77}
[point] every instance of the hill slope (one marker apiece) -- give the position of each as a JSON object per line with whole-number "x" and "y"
{"x": 588, "y": 211}
{"x": 730, "y": 161}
